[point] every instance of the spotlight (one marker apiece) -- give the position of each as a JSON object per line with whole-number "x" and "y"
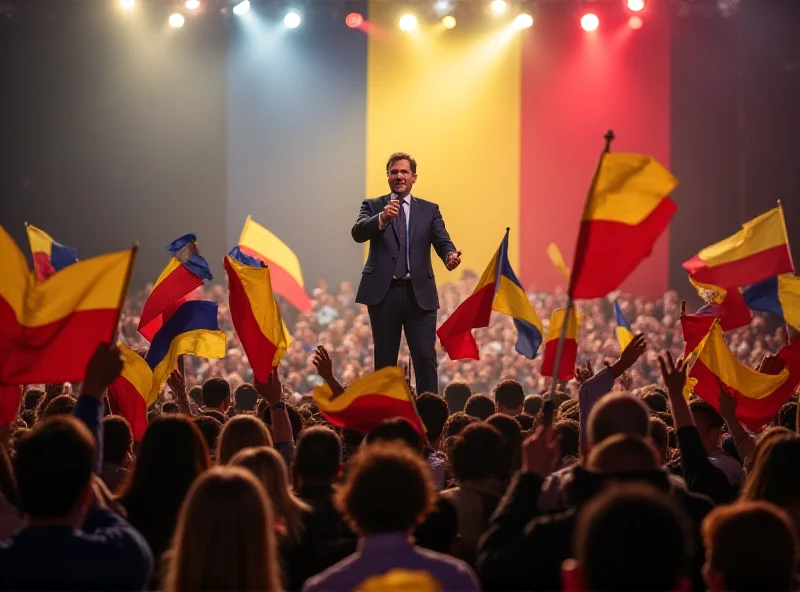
{"x": 353, "y": 20}
{"x": 176, "y": 20}
{"x": 192, "y": 4}
{"x": 241, "y": 8}
{"x": 635, "y": 23}
{"x": 442, "y": 7}
{"x": 498, "y": 6}
{"x": 523, "y": 21}
{"x": 636, "y": 5}
{"x": 292, "y": 20}
{"x": 408, "y": 22}
{"x": 449, "y": 22}
{"x": 127, "y": 4}
{"x": 590, "y": 22}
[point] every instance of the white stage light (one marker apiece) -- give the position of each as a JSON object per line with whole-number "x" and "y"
{"x": 241, "y": 8}
{"x": 292, "y": 20}
{"x": 176, "y": 20}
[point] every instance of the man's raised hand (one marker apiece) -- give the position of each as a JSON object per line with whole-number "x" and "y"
{"x": 391, "y": 210}
{"x": 103, "y": 368}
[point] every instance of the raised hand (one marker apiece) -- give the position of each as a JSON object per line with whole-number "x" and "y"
{"x": 272, "y": 389}
{"x": 177, "y": 383}
{"x": 673, "y": 374}
{"x": 103, "y": 368}
{"x": 584, "y": 373}
{"x": 540, "y": 452}
{"x": 391, "y": 210}
{"x": 633, "y": 352}
{"x": 323, "y": 364}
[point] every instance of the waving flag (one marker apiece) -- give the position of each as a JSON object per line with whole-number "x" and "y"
{"x": 557, "y": 259}
{"x": 132, "y": 391}
{"x": 779, "y": 295}
{"x": 49, "y": 256}
{"x": 624, "y": 331}
{"x": 569, "y": 354}
{"x": 498, "y": 290}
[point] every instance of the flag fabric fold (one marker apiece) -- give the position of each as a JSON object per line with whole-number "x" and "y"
{"x": 10, "y": 399}
{"x": 569, "y": 353}
{"x": 778, "y": 295}
{"x": 624, "y": 331}
{"x": 758, "y": 251}
{"x": 287, "y": 276}
{"x": 369, "y": 401}
{"x": 256, "y": 316}
{"x": 49, "y": 256}
{"x": 627, "y": 210}
{"x": 132, "y": 391}
{"x": 498, "y": 290}
{"x": 557, "y": 259}
{"x": 50, "y": 329}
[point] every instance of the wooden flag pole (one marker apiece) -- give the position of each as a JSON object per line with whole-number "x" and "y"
{"x": 547, "y": 406}
{"x": 124, "y": 293}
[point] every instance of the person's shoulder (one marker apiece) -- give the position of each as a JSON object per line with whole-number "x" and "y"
{"x": 457, "y": 568}
{"x": 330, "y": 578}
{"x": 376, "y": 200}
{"x": 425, "y": 202}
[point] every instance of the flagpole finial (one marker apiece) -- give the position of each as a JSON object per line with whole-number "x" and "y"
{"x": 609, "y": 138}
{"x": 508, "y": 228}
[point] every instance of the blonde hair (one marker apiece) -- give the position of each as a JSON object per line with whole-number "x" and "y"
{"x": 225, "y": 537}
{"x": 269, "y": 468}
{"x": 239, "y": 433}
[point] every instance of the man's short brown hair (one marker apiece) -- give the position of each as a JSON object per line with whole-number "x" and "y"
{"x": 401, "y": 156}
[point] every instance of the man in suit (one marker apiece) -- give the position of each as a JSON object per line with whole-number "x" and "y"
{"x": 397, "y": 283}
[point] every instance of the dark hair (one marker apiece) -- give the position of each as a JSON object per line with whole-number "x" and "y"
{"x": 526, "y": 421}
{"x": 655, "y": 398}
{"x": 196, "y": 395}
{"x": 32, "y": 397}
{"x": 246, "y": 397}
{"x": 512, "y": 439}
{"x": 659, "y": 433}
{"x": 787, "y": 416}
{"x": 618, "y": 414}
{"x": 479, "y": 406}
{"x": 456, "y": 423}
{"x": 296, "y": 420}
{"x": 215, "y": 392}
{"x": 210, "y": 428}
{"x": 476, "y": 451}
{"x": 318, "y": 455}
{"x": 117, "y": 439}
{"x": 702, "y": 408}
{"x": 61, "y": 405}
{"x": 433, "y": 411}
{"x": 456, "y": 395}
{"x": 509, "y": 394}
{"x": 774, "y": 477}
{"x": 570, "y": 444}
{"x": 170, "y": 407}
{"x": 392, "y": 430}
{"x": 532, "y": 404}
{"x": 389, "y": 488}
{"x": 54, "y": 465}
{"x": 401, "y": 156}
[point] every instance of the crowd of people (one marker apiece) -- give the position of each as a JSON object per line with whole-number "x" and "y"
{"x": 616, "y": 482}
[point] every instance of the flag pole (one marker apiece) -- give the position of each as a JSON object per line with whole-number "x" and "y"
{"x": 785, "y": 232}
{"x": 124, "y": 293}
{"x": 547, "y": 407}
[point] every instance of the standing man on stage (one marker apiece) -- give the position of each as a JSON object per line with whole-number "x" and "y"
{"x": 397, "y": 283}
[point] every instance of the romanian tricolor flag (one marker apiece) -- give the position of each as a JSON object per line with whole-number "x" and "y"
{"x": 625, "y": 213}
{"x": 50, "y": 329}
{"x": 624, "y": 331}
{"x": 192, "y": 330}
{"x": 557, "y": 259}
{"x": 369, "y": 401}
{"x": 48, "y": 255}
{"x": 287, "y": 277}
{"x": 255, "y": 314}
{"x": 569, "y": 353}
{"x": 132, "y": 391}
{"x": 758, "y": 251}
{"x": 186, "y": 271}
{"x": 759, "y": 396}
{"x": 779, "y": 295}
{"x": 498, "y": 290}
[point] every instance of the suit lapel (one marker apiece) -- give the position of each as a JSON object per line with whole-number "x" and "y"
{"x": 414, "y": 214}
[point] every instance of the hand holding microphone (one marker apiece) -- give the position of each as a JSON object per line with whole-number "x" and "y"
{"x": 391, "y": 210}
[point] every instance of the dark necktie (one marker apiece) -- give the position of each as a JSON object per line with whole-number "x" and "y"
{"x": 401, "y": 268}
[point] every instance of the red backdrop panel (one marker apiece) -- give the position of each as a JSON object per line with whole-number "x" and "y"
{"x": 575, "y": 86}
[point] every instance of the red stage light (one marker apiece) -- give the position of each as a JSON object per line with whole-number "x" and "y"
{"x": 636, "y": 5}
{"x": 635, "y": 22}
{"x": 353, "y": 20}
{"x": 590, "y": 22}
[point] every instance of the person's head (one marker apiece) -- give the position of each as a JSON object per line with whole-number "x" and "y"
{"x": 476, "y": 452}
{"x": 217, "y": 394}
{"x": 659, "y": 434}
{"x": 509, "y": 397}
{"x": 525, "y": 421}
{"x": 239, "y": 433}
{"x": 787, "y": 416}
{"x": 32, "y": 397}
{"x": 225, "y": 537}
{"x": 397, "y": 429}
{"x": 117, "y": 440}
{"x": 246, "y": 397}
{"x": 456, "y": 423}
{"x": 196, "y": 395}
{"x": 210, "y": 428}
{"x": 61, "y": 405}
{"x": 774, "y": 477}
{"x": 433, "y": 411}
{"x": 617, "y": 414}
{"x": 170, "y": 407}
{"x": 401, "y": 172}
{"x": 570, "y": 443}
{"x": 655, "y": 398}
{"x": 532, "y": 404}
{"x": 53, "y": 469}
{"x": 631, "y": 537}
{"x": 623, "y": 453}
{"x": 318, "y": 457}
{"x": 511, "y": 431}
{"x": 479, "y": 406}
{"x": 389, "y": 488}
{"x": 750, "y": 546}
{"x": 708, "y": 422}
{"x": 456, "y": 395}
{"x": 269, "y": 468}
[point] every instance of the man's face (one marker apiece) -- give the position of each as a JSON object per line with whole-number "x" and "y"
{"x": 401, "y": 179}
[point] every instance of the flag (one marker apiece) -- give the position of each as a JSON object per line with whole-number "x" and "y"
{"x": 625, "y": 213}
{"x": 49, "y": 256}
{"x": 369, "y": 401}
{"x": 624, "y": 332}
{"x": 192, "y": 330}
{"x": 10, "y": 399}
{"x": 498, "y": 290}
{"x": 759, "y": 396}
{"x": 132, "y": 391}
{"x": 50, "y": 329}
{"x": 569, "y": 353}
{"x": 558, "y": 260}
{"x": 758, "y": 251}
{"x": 255, "y": 314}
{"x": 186, "y": 271}
{"x": 732, "y": 313}
{"x": 287, "y": 277}
{"x": 779, "y": 295}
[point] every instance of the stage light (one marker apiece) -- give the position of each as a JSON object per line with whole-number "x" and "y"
{"x": 353, "y": 20}
{"x": 449, "y": 22}
{"x": 292, "y": 20}
{"x": 192, "y": 4}
{"x": 498, "y": 6}
{"x": 636, "y": 5}
{"x": 590, "y": 22}
{"x": 408, "y": 22}
{"x": 127, "y": 4}
{"x": 442, "y": 7}
{"x": 176, "y": 20}
{"x": 241, "y": 8}
{"x": 523, "y": 21}
{"x": 635, "y": 23}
